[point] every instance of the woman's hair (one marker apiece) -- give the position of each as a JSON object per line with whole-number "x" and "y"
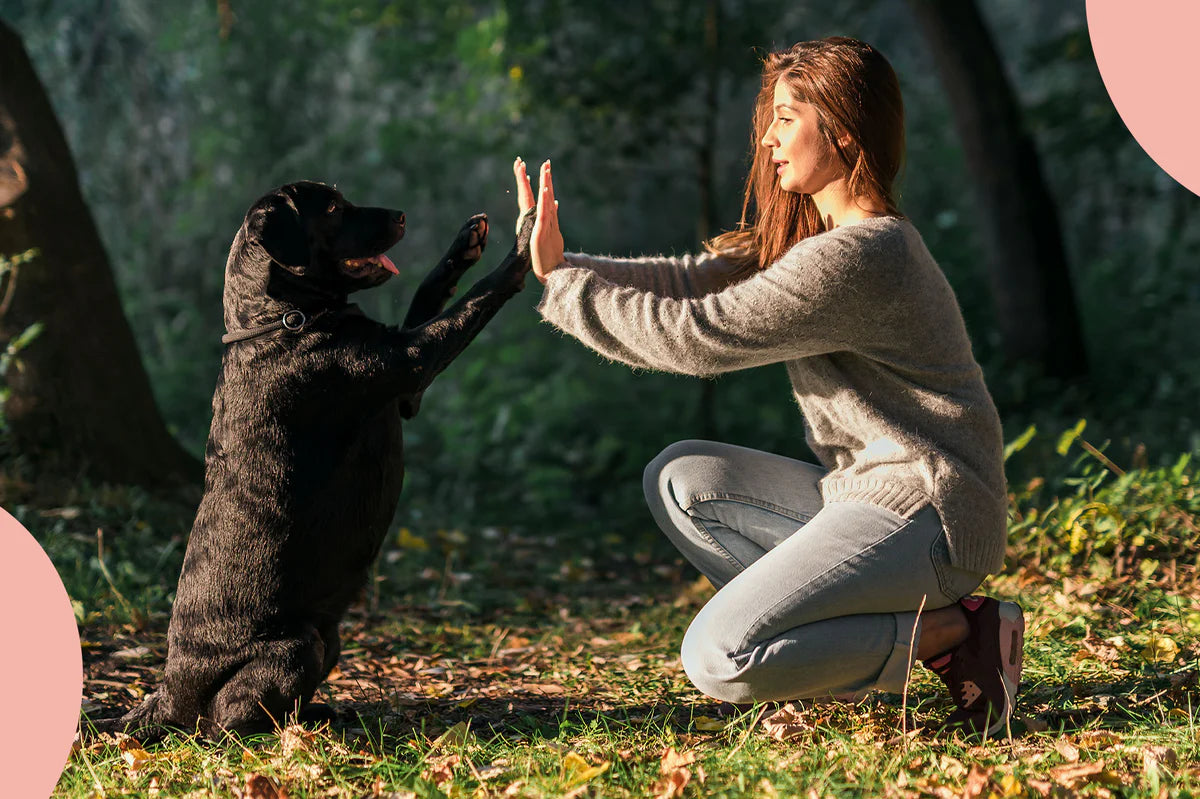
{"x": 856, "y": 96}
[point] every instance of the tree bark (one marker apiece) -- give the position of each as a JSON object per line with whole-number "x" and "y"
{"x": 1027, "y": 266}
{"x": 79, "y": 400}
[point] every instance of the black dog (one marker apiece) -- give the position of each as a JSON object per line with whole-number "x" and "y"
{"x": 303, "y": 464}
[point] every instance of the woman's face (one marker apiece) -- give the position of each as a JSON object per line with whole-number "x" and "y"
{"x": 804, "y": 159}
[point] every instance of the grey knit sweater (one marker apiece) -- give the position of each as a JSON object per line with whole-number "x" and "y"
{"x": 894, "y": 404}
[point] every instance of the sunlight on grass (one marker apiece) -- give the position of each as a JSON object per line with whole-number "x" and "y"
{"x": 499, "y": 663}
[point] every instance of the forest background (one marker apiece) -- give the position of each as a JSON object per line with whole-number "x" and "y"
{"x": 180, "y": 116}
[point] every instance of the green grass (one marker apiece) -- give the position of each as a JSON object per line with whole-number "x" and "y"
{"x": 498, "y": 663}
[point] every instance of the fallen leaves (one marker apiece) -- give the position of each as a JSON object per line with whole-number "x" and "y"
{"x": 1158, "y": 760}
{"x": 675, "y": 774}
{"x": 787, "y": 723}
{"x": 260, "y": 787}
{"x": 1160, "y": 649}
{"x": 709, "y": 724}
{"x": 1074, "y": 776}
{"x": 576, "y": 770}
{"x": 134, "y": 756}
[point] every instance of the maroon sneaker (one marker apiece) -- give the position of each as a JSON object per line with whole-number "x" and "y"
{"x": 984, "y": 671}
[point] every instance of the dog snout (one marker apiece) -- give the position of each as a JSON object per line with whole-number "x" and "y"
{"x": 398, "y": 218}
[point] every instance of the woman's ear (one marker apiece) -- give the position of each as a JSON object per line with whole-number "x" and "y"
{"x": 276, "y": 226}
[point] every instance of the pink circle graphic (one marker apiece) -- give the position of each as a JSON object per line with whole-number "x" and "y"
{"x": 1146, "y": 55}
{"x": 41, "y": 669}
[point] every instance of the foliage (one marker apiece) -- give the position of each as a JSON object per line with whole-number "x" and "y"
{"x": 1104, "y": 522}
{"x": 181, "y": 117}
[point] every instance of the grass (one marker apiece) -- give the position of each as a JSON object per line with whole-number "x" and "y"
{"x": 494, "y": 663}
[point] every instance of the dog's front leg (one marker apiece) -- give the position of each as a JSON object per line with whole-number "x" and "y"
{"x": 439, "y": 286}
{"x": 416, "y": 356}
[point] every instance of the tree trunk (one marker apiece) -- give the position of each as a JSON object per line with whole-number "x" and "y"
{"x": 1028, "y": 271}
{"x": 79, "y": 400}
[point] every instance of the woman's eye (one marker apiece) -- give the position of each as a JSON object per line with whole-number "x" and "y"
{"x": 332, "y": 207}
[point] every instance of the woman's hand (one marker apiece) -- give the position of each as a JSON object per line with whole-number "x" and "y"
{"x": 546, "y": 245}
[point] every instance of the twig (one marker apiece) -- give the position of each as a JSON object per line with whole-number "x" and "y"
{"x": 912, "y": 642}
{"x": 10, "y": 289}
{"x": 1100, "y": 456}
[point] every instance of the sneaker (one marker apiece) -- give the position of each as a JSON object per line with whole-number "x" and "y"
{"x": 984, "y": 671}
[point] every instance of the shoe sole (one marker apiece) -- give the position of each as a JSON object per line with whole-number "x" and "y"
{"x": 1012, "y": 652}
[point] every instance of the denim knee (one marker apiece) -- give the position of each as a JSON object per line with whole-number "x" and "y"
{"x": 668, "y": 469}
{"x": 656, "y": 478}
{"x": 711, "y": 669}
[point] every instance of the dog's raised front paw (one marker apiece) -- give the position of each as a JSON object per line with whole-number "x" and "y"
{"x": 471, "y": 240}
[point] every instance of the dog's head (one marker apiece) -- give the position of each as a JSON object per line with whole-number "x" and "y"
{"x": 304, "y": 241}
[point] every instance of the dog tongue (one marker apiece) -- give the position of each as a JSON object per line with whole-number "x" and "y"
{"x": 387, "y": 264}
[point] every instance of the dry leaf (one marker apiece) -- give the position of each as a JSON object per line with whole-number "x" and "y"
{"x": 1010, "y": 785}
{"x": 1042, "y": 787}
{"x": 675, "y": 774}
{"x": 134, "y": 756}
{"x": 457, "y": 736}
{"x": 1160, "y": 649}
{"x": 786, "y": 723}
{"x": 671, "y": 785}
{"x": 1076, "y": 775}
{"x": 1095, "y": 739}
{"x": 951, "y": 768}
{"x": 709, "y": 724}
{"x": 1158, "y": 759}
{"x": 977, "y": 781}
{"x": 293, "y": 739}
{"x": 1069, "y": 751}
{"x": 441, "y": 769}
{"x": 576, "y": 770}
{"x": 260, "y": 787}
{"x": 672, "y": 760}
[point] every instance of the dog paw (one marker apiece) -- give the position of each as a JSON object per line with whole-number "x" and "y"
{"x": 471, "y": 240}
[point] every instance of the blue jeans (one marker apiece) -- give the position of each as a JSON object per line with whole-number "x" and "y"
{"x": 814, "y": 599}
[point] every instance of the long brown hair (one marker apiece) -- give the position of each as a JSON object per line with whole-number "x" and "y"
{"x": 856, "y": 95}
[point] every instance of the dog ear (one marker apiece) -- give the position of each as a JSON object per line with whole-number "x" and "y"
{"x": 277, "y": 227}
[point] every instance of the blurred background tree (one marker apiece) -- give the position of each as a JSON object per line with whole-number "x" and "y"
{"x": 181, "y": 114}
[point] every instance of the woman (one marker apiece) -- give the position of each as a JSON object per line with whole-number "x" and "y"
{"x": 831, "y": 577}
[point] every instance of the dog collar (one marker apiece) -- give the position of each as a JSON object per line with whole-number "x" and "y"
{"x": 293, "y": 321}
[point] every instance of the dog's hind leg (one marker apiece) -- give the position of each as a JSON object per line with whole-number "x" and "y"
{"x": 261, "y": 695}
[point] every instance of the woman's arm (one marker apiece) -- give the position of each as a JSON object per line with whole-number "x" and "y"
{"x": 819, "y": 298}
{"x": 667, "y": 276}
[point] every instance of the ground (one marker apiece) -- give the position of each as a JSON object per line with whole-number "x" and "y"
{"x": 490, "y": 662}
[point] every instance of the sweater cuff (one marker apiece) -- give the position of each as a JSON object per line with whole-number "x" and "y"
{"x": 555, "y": 282}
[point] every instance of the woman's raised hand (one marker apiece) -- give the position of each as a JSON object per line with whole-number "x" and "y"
{"x": 546, "y": 246}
